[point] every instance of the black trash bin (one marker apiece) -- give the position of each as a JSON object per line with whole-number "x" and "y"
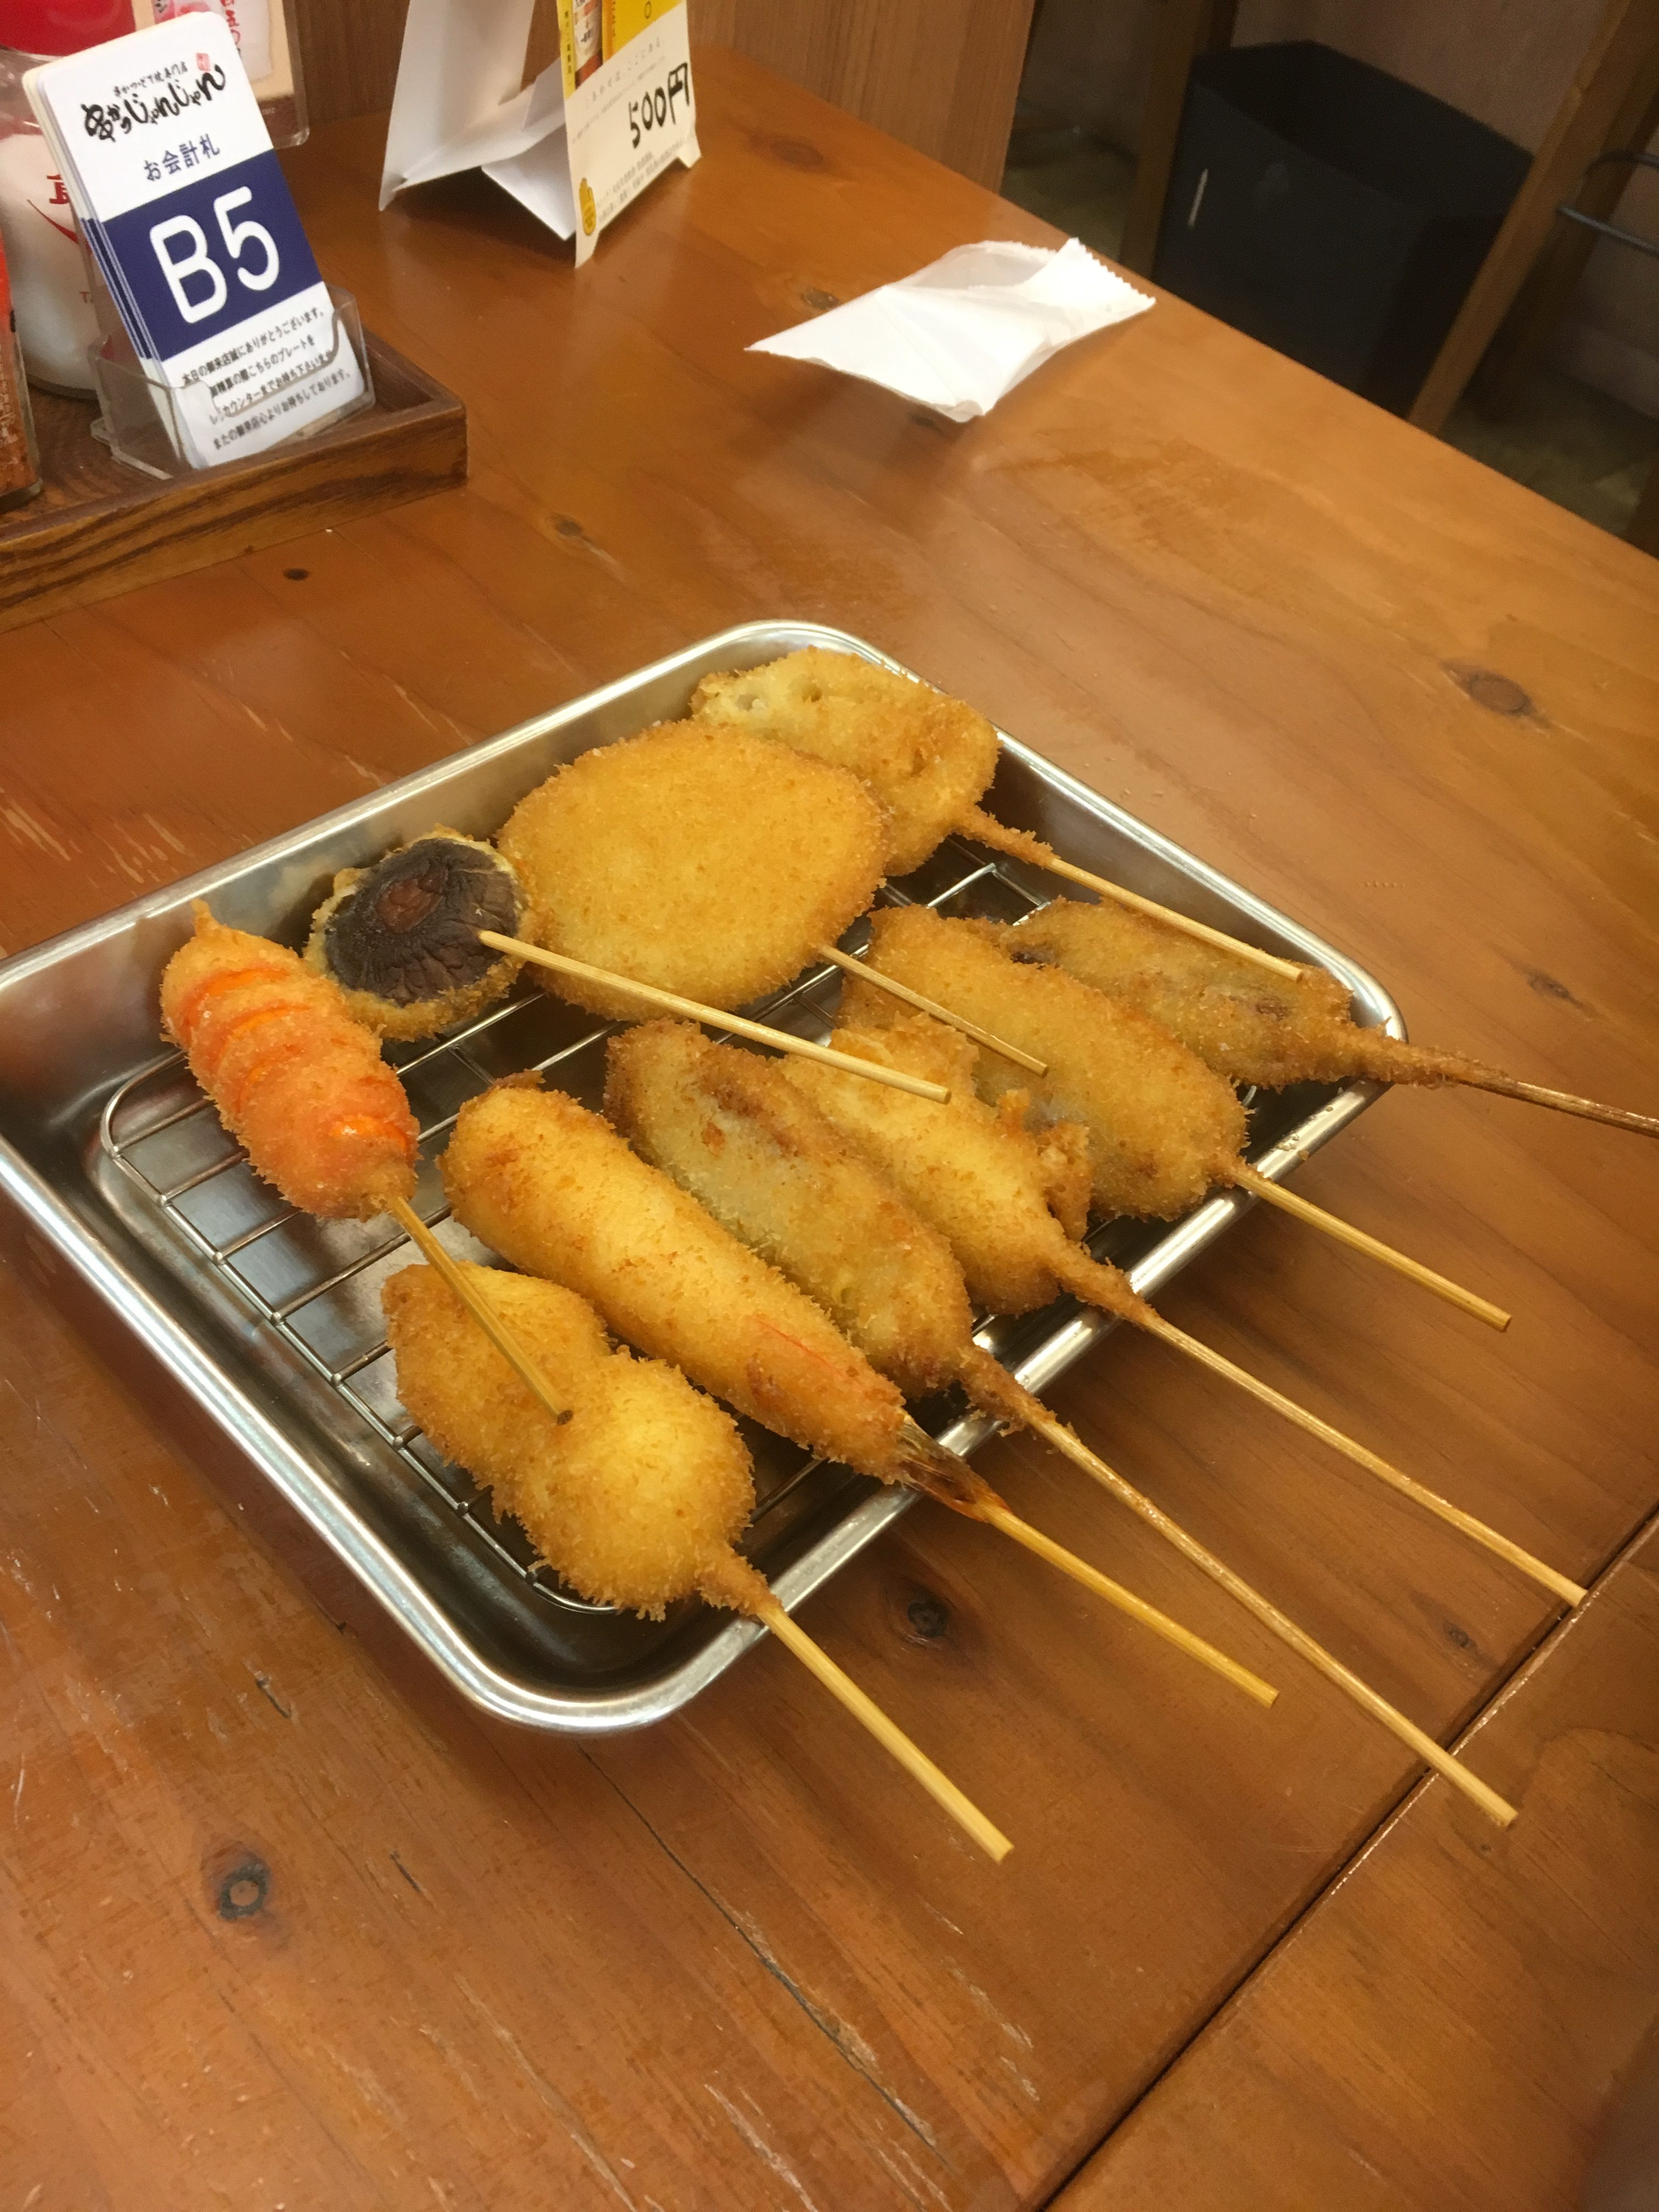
{"x": 1331, "y": 211}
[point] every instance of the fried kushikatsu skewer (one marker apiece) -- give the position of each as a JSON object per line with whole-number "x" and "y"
{"x": 733, "y": 1130}
{"x": 928, "y": 758}
{"x": 998, "y": 1195}
{"x": 636, "y": 1494}
{"x": 300, "y": 1081}
{"x": 555, "y": 1190}
{"x": 1272, "y": 1034}
{"x": 704, "y": 861}
{"x": 1164, "y": 1127}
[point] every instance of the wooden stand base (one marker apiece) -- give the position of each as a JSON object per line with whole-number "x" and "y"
{"x": 99, "y": 527}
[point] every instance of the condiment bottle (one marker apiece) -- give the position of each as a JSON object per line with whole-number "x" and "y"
{"x": 19, "y": 468}
{"x": 49, "y": 286}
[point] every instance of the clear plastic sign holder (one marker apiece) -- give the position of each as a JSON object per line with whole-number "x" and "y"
{"x": 141, "y": 422}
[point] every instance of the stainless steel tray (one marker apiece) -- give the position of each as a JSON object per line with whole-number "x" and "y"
{"x": 271, "y": 1319}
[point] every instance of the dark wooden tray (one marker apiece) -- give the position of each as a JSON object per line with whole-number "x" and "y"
{"x": 99, "y": 527}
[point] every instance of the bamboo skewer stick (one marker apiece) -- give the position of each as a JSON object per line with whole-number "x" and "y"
{"x": 941, "y": 1475}
{"x": 986, "y": 829}
{"x": 999, "y": 1517}
{"x": 862, "y": 969}
{"x": 1558, "y": 1583}
{"x": 1260, "y": 1186}
{"x": 1034, "y": 1415}
{"x": 1564, "y": 1101}
{"x": 869, "y": 1715}
{"x": 692, "y": 1011}
{"x": 464, "y": 1288}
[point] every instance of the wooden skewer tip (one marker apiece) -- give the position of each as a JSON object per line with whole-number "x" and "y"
{"x": 893, "y": 1739}
{"x": 1289, "y": 1201}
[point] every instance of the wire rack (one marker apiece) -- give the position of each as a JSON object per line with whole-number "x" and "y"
{"x": 317, "y": 1284}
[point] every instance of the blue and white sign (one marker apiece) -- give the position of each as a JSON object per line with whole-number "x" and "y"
{"x": 187, "y": 212}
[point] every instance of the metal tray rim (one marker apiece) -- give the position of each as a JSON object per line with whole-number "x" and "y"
{"x": 237, "y": 1412}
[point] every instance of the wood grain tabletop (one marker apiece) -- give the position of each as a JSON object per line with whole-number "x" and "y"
{"x": 288, "y": 1925}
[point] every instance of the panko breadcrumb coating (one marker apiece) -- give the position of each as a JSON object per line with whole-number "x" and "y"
{"x": 555, "y": 1190}
{"x": 706, "y": 860}
{"x": 728, "y": 1126}
{"x": 1246, "y": 1024}
{"x": 636, "y": 1499}
{"x": 1004, "y": 1197}
{"x": 290, "y": 1073}
{"x": 1162, "y": 1127}
{"x": 926, "y": 757}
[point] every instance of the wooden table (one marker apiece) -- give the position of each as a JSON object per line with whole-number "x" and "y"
{"x": 286, "y": 1925}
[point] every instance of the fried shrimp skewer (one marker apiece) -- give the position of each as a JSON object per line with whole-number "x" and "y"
{"x": 928, "y": 758}
{"x": 555, "y": 1191}
{"x": 990, "y": 1185}
{"x": 637, "y": 1496}
{"x": 735, "y": 1131}
{"x": 290, "y": 1073}
{"x": 296, "y": 1076}
{"x": 1164, "y": 1127}
{"x": 1254, "y": 1030}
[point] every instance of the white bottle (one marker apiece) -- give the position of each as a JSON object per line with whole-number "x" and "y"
{"x": 49, "y": 283}
{"x": 55, "y": 320}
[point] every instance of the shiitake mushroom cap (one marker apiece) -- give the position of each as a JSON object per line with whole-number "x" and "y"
{"x": 400, "y": 938}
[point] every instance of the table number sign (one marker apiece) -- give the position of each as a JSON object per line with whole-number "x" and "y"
{"x": 187, "y": 213}
{"x": 575, "y": 146}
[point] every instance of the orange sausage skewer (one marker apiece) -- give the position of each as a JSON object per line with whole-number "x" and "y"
{"x": 301, "y": 1082}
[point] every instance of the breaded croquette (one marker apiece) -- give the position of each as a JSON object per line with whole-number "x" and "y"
{"x": 1248, "y": 1025}
{"x": 706, "y": 860}
{"x": 636, "y": 1498}
{"x": 728, "y": 1126}
{"x": 1162, "y": 1127}
{"x": 1006, "y": 1199}
{"x": 553, "y": 1189}
{"x": 926, "y": 757}
{"x": 290, "y": 1073}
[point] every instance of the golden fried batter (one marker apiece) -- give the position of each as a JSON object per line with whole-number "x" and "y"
{"x": 706, "y": 860}
{"x": 290, "y": 1073}
{"x": 1162, "y": 1127}
{"x": 555, "y": 1190}
{"x": 1248, "y": 1024}
{"x": 926, "y": 757}
{"x": 729, "y": 1127}
{"x": 636, "y": 1499}
{"x": 994, "y": 1189}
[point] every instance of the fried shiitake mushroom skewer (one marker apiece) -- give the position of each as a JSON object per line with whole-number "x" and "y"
{"x": 1164, "y": 1127}
{"x": 637, "y": 1494}
{"x": 928, "y": 758}
{"x": 555, "y": 1190}
{"x": 1005, "y": 1200}
{"x": 1255, "y": 1031}
{"x": 733, "y": 1130}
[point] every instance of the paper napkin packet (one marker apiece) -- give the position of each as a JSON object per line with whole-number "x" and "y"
{"x": 967, "y": 328}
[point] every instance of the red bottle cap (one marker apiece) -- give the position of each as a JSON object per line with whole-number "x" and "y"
{"x": 62, "y": 27}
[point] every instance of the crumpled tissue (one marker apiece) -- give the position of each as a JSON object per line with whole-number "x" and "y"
{"x": 968, "y": 327}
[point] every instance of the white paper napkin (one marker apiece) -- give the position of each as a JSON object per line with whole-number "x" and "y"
{"x": 969, "y": 327}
